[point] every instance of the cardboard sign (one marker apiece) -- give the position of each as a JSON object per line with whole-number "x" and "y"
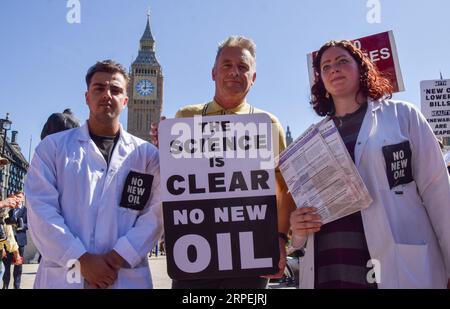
{"x": 435, "y": 105}
{"x": 381, "y": 50}
{"x": 218, "y": 192}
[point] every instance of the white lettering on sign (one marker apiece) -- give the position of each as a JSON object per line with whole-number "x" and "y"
{"x": 180, "y": 217}
{"x": 137, "y": 182}
{"x": 221, "y": 214}
{"x": 180, "y": 253}
{"x": 133, "y": 199}
{"x": 196, "y": 216}
{"x": 136, "y": 190}
{"x": 376, "y": 54}
{"x": 435, "y": 104}
{"x": 224, "y": 250}
{"x": 398, "y": 155}
{"x": 399, "y": 164}
{"x": 254, "y": 212}
{"x": 237, "y": 213}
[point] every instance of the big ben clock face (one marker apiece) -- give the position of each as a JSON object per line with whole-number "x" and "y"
{"x": 145, "y": 87}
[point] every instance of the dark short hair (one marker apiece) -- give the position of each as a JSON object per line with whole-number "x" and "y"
{"x": 107, "y": 66}
{"x": 372, "y": 82}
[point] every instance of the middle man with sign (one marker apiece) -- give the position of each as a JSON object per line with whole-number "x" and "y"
{"x": 220, "y": 215}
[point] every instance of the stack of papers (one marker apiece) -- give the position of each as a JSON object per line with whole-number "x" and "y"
{"x": 320, "y": 173}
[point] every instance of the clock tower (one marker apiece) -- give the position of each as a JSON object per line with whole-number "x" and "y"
{"x": 145, "y": 90}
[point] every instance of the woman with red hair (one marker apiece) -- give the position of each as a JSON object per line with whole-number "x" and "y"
{"x": 402, "y": 239}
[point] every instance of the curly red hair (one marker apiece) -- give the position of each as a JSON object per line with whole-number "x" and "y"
{"x": 372, "y": 83}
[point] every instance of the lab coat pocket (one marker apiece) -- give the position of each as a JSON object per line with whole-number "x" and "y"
{"x": 406, "y": 215}
{"x": 414, "y": 266}
{"x": 55, "y": 277}
{"x": 134, "y": 278}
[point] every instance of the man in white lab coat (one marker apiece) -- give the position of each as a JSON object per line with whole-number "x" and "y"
{"x": 93, "y": 196}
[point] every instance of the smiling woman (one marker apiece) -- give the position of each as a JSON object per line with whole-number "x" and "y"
{"x": 355, "y": 74}
{"x": 398, "y": 158}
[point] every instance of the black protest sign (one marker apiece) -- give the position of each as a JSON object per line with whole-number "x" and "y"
{"x": 136, "y": 190}
{"x": 398, "y": 164}
{"x": 218, "y": 193}
{"x": 221, "y": 238}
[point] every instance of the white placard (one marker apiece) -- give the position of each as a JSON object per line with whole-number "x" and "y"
{"x": 218, "y": 192}
{"x": 435, "y": 105}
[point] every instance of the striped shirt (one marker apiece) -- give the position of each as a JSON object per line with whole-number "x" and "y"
{"x": 340, "y": 251}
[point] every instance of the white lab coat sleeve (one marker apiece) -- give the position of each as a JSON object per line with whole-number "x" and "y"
{"x": 432, "y": 179}
{"x": 143, "y": 236}
{"x": 48, "y": 228}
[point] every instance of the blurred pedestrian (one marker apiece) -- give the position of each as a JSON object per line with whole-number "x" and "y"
{"x": 18, "y": 221}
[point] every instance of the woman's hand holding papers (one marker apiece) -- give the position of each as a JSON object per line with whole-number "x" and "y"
{"x": 304, "y": 221}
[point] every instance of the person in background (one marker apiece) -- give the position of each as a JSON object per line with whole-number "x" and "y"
{"x": 55, "y": 123}
{"x": 402, "y": 239}
{"x": 3, "y": 162}
{"x": 445, "y": 154}
{"x": 58, "y": 122}
{"x": 8, "y": 244}
{"x": 2, "y": 267}
{"x": 18, "y": 220}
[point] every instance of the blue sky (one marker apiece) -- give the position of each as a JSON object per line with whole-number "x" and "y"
{"x": 44, "y": 58}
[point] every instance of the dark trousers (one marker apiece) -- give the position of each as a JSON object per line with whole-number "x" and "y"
{"x": 225, "y": 283}
{"x": 17, "y": 273}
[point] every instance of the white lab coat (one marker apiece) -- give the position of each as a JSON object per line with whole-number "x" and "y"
{"x": 408, "y": 233}
{"x": 73, "y": 207}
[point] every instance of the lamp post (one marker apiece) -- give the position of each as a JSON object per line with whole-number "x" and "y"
{"x": 5, "y": 125}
